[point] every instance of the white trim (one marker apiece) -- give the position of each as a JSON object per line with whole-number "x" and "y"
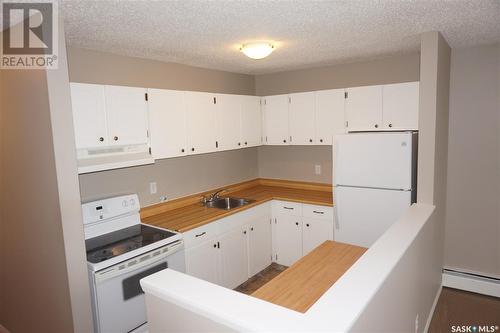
{"x": 473, "y": 283}
{"x": 433, "y": 308}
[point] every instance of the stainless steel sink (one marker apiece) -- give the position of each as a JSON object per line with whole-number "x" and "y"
{"x": 228, "y": 203}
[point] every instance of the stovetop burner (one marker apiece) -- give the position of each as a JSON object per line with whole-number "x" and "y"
{"x": 110, "y": 245}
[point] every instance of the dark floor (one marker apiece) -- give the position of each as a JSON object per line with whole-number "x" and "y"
{"x": 260, "y": 279}
{"x": 462, "y": 308}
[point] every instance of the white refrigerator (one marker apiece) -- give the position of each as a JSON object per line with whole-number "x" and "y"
{"x": 374, "y": 183}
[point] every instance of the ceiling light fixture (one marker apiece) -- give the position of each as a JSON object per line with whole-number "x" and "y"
{"x": 257, "y": 50}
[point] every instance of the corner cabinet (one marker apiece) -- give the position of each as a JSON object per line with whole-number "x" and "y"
{"x": 251, "y": 121}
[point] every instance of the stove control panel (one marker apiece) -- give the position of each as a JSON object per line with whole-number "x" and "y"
{"x": 109, "y": 208}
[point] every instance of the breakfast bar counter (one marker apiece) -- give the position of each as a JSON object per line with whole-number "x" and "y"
{"x": 303, "y": 283}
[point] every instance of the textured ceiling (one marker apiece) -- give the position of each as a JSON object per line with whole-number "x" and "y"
{"x": 307, "y": 33}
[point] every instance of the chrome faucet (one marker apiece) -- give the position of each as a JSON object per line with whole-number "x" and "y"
{"x": 212, "y": 197}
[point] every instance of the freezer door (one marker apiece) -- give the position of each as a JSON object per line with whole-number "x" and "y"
{"x": 363, "y": 214}
{"x": 378, "y": 160}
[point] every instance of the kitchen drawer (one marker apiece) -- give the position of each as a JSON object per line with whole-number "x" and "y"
{"x": 201, "y": 234}
{"x": 318, "y": 212}
{"x": 287, "y": 208}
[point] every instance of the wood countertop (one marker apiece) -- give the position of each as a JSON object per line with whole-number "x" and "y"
{"x": 188, "y": 213}
{"x": 303, "y": 283}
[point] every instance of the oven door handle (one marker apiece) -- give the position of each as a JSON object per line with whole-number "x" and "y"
{"x": 136, "y": 263}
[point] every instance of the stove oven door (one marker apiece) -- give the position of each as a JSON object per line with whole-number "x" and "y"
{"x": 120, "y": 304}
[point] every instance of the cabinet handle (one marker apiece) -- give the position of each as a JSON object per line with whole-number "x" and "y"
{"x": 182, "y": 150}
{"x": 218, "y": 245}
{"x": 246, "y": 143}
{"x": 239, "y": 143}
{"x": 307, "y": 224}
{"x": 390, "y": 125}
{"x": 284, "y": 141}
{"x": 318, "y": 212}
{"x": 192, "y": 149}
{"x": 251, "y": 229}
{"x": 199, "y": 235}
{"x": 376, "y": 125}
{"x": 296, "y": 223}
{"x": 115, "y": 138}
{"x": 244, "y": 232}
{"x": 101, "y": 139}
{"x": 215, "y": 245}
{"x": 310, "y": 140}
{"x": 288, "y": 207}
{"x": 320, "y": 140}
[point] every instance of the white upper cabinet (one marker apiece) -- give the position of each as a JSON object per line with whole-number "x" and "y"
{"x": 363, "y": 108}
{"x": 330, "y": 119}
{"x": 400, "y": 110}
{"x": 302, "y": 116}
{"x": 251, "y": 121}
{"x": 276, "y": 120}
{"x": 200, "y": 122}
{"x": 167, "y": 123}
{"x": 127, "y": 115}
{"x": 227, "y": 121}
{"x": 89, "y": 115}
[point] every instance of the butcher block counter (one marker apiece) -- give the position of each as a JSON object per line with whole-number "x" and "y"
{"x": 303, "y": 283}
{"x": 188, "y": 213}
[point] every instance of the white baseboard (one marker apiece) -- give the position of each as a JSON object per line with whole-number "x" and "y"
{"x": 471, "y": 282}
{"x": 433, "y": 308}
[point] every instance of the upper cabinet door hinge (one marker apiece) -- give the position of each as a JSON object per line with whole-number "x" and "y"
{"x": 289, "y": 99}
{"x": 266, "y": 138}
{"x": 215, "y": 100}
{"x": 149, "y": 150}
{"x": 146, "y": 96}
{"x": 346, "y": 94}
{"x": 147, "y": 133}
{"x": 347, "y": 124}
{"x": 216, "y": 144}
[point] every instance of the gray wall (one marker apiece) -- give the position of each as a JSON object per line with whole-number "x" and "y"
{"x": 105, "y": 68}
{"x": 296, "y": 163}
{"x": 403, "y": 68}
{"x": 175, "y": 177}
{"x": 472, "y": 239}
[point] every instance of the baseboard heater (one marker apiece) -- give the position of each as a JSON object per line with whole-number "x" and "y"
{"x": 474, "y": 282}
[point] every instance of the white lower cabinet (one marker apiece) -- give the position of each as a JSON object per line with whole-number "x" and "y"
{"x": 288, "y": 247}
{"x": 227, "y": 252}
{"x": 230, "y": 250}
{"x": 259, "y": 245}
{"x": 233, "y": 257}
{"x": 202, "y": 261}
{"x": 298, "y": 229}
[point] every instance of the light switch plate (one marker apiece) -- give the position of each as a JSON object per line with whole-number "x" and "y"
{"x": 317, "y": 169}
{"x": 152, "y": 188}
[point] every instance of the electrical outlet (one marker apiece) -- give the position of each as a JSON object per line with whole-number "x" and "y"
{"x": 152, "y": 188}
{"x": 416, "y": 324}
{"x": 317, "y": 169}
{"x": 163, "y": 198}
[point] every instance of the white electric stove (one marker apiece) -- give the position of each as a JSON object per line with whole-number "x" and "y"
{"x": 121, "y": 251}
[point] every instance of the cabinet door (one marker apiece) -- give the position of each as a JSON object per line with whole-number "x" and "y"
{"x": 126, "y": 111}
{"x": 227, "y": 120}
{"x": 314, "y": 232}
{"x": 288, "y": 238}
{"x": 234, "y": 257}
{"x": 167, "y": 123}
{"x": 259, "y": 245}
{"x": 400, "y": 106}
{"x": 200, "y": 122}
{"x": 251, "y": 121}
{"x": 363, "y": 108}
{"x": 330, "y": 118}
{"x": 302, "y": 118}
{"x": 276, "y": 120}
{"x": 202, "y": 261}
{"x": 89, "y": 117}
